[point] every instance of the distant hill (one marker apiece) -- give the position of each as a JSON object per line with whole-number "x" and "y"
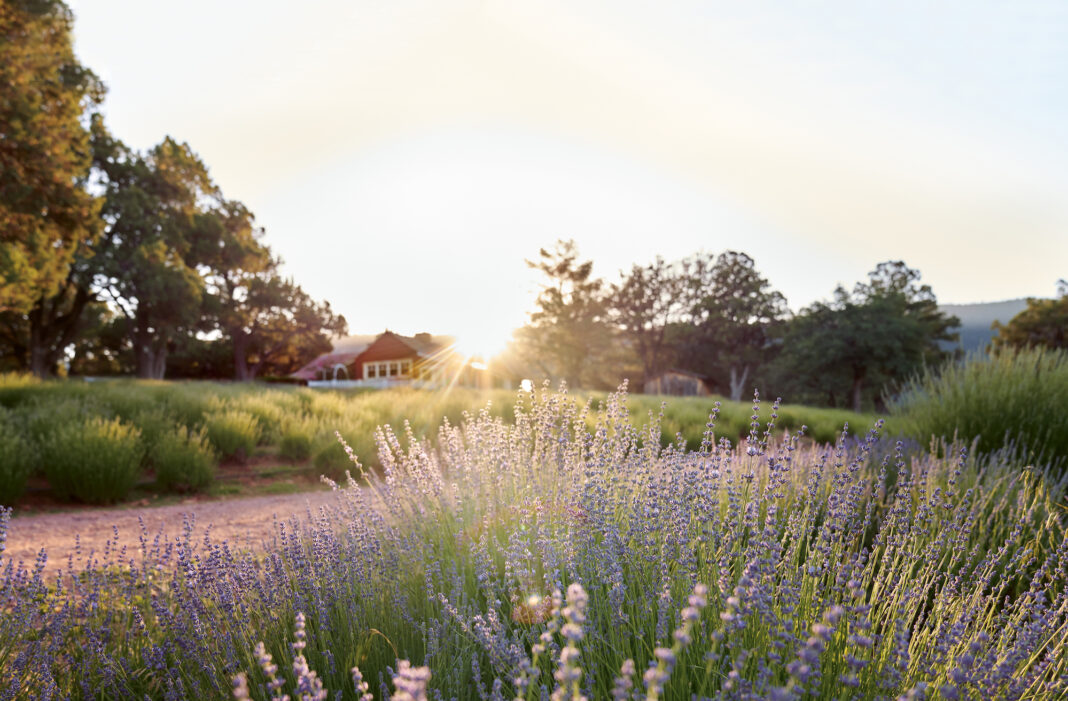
{"x": 975, "y": 321}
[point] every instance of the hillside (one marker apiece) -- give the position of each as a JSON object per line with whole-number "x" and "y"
{"x": 976, "y": 319}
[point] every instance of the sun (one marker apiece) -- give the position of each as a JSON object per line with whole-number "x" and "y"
{"x": 481, "y": 344}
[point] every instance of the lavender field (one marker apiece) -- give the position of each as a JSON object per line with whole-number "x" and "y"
{"x": 537, "y": 558}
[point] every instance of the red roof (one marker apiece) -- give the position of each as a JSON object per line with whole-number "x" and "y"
{"x": 310, "y": 371}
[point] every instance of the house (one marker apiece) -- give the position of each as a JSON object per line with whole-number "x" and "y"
{"x": 391, "y": 360}
{"x": 679, "y": 383}
{"x": 334, "y": 366}
{"x": 395, "y": 359}
{"x": 330, "y": 367}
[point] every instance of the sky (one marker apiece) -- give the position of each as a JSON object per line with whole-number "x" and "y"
{"x": 405, "y": 157}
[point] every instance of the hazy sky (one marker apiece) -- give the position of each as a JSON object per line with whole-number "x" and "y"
{"x": 405, "y": 156}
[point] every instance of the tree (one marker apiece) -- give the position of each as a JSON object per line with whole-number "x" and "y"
{"x": 269, "y": 322}
{"x": 732, "y": 307}
{"x": 46, "y": 213}
{"x": 886, "y": 330}
{"x": 568, "y": 331}
{"x": 160, "y": 216}
{"x": 279, "y": 327}
{"x": 644, "y": 304}
{"x": 1043, "y": 323}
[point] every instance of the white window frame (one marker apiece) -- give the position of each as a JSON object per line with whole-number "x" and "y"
{"x": 381, "y": 369}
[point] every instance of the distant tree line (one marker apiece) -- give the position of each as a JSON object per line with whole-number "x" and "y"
{"x": 119, "y": 261}
{"x": 718, "y": 317}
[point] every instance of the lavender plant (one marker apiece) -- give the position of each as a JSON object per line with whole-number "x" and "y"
{"x": 770, "y": 569}
{"x": 96, "y": 460}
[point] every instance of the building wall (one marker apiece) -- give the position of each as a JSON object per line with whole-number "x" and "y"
{"x": 387, "y": 347}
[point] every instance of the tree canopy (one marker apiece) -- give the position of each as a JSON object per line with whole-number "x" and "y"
{"x": 731, "y": 311}
{"x": 568, "y": 330}
{"x": 46, "y": 213}
{"x": 853, "y": 346}
{"x": 1044, "y": 323}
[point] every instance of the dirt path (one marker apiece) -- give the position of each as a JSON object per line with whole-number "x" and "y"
{"x": 233, "y": 519}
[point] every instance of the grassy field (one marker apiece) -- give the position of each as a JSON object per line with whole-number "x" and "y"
{"x": 565, "y": 555}
{"x": 104, "y": 442}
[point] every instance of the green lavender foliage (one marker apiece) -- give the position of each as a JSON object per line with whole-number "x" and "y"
{"x": 184, "y": 460}
{"x": 17, "y": 459}
{"x": 234, "y": 433}
{"x": 299, "y": 424}
{"x": 96, "y": 460}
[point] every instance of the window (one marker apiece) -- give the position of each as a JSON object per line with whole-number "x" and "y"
{"x": 394, "y": 367}
{"x": 405, "y": 368}
{"x": 370, "y": 370}
{"x": 383, "y": 369}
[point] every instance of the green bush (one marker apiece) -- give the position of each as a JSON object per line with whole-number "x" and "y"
{"x": 233, "y": 433}
{"x": 17, "y": 388}
{"x": 269, "y": 408}
{"x": 1018, "y": 397}
{"x": 154, "y": 424}
{"x": 331, "y": 459}
{"x": 43, "y": 415}
{"x": 296, "y": 443}
{"x": 183, "y": 460}
{"x": 96, "y": 460}
{"x": 16, "y": 462}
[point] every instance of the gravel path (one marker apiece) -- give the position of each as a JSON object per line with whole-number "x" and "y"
{"x": 233, "y": 519}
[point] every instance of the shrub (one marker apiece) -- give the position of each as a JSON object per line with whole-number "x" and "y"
{"x": 269, "y": 409}
{"x": 16, "y": 462}
{"x": 44, "y": 415}
{"x": 183, "y": 460}
{"x": 153, "y": 424}
{"x": 16, "y": 388}
{"x": 1019, "y": 397}
{"x": 233, "y": 433}
{"x": 330, "y": 458}
{"x": 296, "y": 443}
{"x": 96, "y": 460}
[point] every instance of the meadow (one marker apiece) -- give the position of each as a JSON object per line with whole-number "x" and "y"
{"x": 97, "y": 442}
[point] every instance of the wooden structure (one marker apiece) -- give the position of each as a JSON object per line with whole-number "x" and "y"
{"x": 393, "y": 360}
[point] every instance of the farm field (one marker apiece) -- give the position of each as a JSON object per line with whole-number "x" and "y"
{"x": 225, "y": 439}
{"x": 571, "y": 549}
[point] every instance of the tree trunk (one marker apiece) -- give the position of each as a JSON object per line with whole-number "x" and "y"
{"x": 38, "y": 356}
{"x": 151, "y": 352}
{"x": 738, "y": 383}
{"x": 241, "y": 370}
{"x": 143, "y": 348}
{"x": 39, "y": 364}
{"x": 858, "y": 387}
{"x": 159, "y": 362}
{"x": 54, "y": 325}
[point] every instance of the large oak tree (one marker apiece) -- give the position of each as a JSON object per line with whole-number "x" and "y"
{"x": 856, "y": 344}
{"x": 46, "y": 213}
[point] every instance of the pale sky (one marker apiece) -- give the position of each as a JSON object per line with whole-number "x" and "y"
{"x": 405, "y": 156}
